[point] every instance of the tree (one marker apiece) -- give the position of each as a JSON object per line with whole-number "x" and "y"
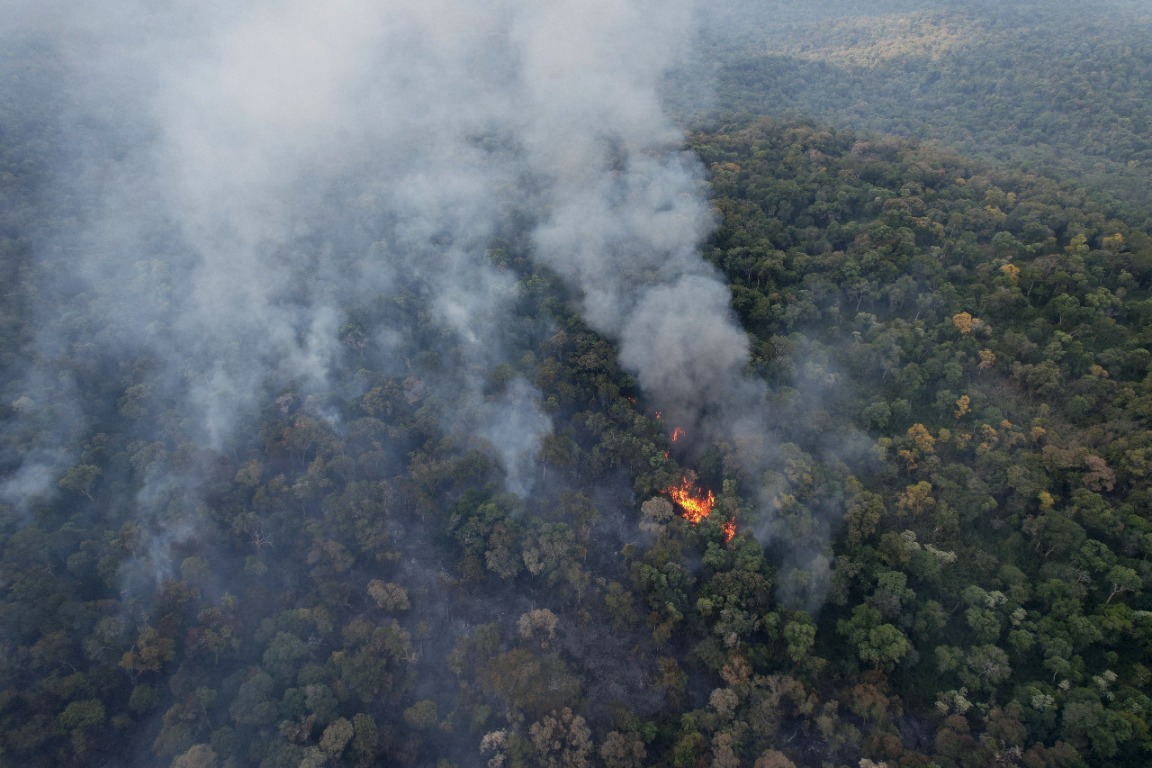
{"x": 81, "y": 720}
{"x": 336, "y": 737}
{"x": 503, "y": 556}
{"x": 375, "y": 661}
{"x": 621, "y": 605}
{"x": 284, "y": 655}
{"x": 365, "y": 743}
{"x": 561, "y": 740}
{"x": 985, "y": 667}
{"x": 1121, "y": 579}
{"x": 388, "y": 596}
{"x": 539, "y": 623}
{"x": 81, "y": 479}
{"x": 656, "y": 513}
{"x": 551, "y": 550}
{"x": 916, "y": 499}
{"x": 527, "y": 682}
{"x": 421, "y": 715}
{"x": 724, "y": 750}
{"x": 253, "y": 704}
{"x": 881, "y": 645}
{"x": 150, "y": 652}
{"x": 773, "y": 759}
{"x": 891, "y": 594}
{"x": 800, "y": 634}
{"x": 622, "y": 750}
{"x": 1092, "y": 727}
{"x": 863, "y": 516}
{"x": 197, "y": 756}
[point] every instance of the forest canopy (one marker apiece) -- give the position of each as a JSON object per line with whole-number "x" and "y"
{"x": 415, "y": 494}
{"x": 1052, "y": 86}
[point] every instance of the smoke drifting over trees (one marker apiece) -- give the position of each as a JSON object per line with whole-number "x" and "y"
{"x": 395, "y": 382}
{"x": 266, "y": 201}
{"x": 269, "y": 167}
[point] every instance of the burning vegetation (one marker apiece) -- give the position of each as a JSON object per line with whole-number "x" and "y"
{"x": 695, "y": 505}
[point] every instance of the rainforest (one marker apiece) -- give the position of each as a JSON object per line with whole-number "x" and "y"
{"x": 577, "y": 385}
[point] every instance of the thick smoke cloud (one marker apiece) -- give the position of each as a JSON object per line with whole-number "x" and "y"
{"x": 258, "y": 169}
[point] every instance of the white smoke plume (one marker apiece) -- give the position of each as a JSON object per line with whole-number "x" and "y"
{"x": 258, "y": 168}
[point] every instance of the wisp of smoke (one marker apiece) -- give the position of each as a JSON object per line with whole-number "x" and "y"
{"x": 254, "y": 170}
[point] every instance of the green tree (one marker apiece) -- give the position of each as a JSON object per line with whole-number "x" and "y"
{"x": 421, "y": 715}
{"x": 81, "y": 479}
{"x": 876, "y": 643}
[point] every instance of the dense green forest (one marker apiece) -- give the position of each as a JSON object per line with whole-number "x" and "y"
{"x": 945, "y": 562}
{"x": 983, "y": 332}
{"x": 1052, "y": 86}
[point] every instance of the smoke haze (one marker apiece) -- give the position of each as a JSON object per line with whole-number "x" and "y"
{"x": 250, "y": 176}
{"x": 262, "y": 169}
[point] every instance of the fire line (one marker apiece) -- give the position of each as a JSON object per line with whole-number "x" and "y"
{"x": 695, "y": 505}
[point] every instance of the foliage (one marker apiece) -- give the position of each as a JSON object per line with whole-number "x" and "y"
{"x": 946, "y": 564}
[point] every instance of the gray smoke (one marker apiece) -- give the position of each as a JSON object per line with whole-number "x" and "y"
{"x": 256, "y": 169}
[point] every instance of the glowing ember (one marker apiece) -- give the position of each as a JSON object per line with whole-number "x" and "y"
{"x": 677, "y": 433}
{"x": 729, "y": 530}
{"x": 693, "y": 503}
{"x": 659, "y": 415}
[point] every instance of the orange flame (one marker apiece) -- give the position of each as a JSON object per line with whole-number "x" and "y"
{"x": 678, "y": 433}
{"x": 659, "y": 415}
{"x": 694, "y": 505}
{"x": 729, "y": 530}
